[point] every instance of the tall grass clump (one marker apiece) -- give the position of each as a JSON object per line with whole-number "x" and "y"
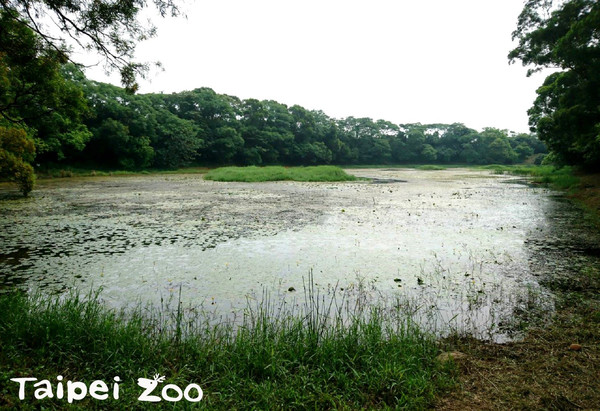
{"x": 279, "y": 173}
{"x": 319, "y": 356}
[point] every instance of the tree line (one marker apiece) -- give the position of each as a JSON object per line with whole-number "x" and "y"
{"x": 136, "y": 131}
{"x": 50, "y": 113}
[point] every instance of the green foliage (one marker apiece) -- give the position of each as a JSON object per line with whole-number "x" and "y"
{"x": 37, "y": 93}
{"x": 16, "y": 149}
{"x": 428, "y": 153}
{"x": 278, "y": 173}
{"x": 131, "y": 151}
{"x": 277, "y": 359}
{"x": 558, "y": 177}
{"x": 176, "y": 141}
{"x": 137, "y": 131}
{"x": 201, "y": 126}
{"x": 431, "y": 167}
{"x": 76, "y": 121}
{"x": 110, "y": 28}
{"x": 41, "y": 93}
{"x": 566, "y": 113}
{"x": 523, "y": 151}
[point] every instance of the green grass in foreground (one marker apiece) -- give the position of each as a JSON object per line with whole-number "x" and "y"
{"x": 273, "y": 360}
{"x": 279, "y": 173}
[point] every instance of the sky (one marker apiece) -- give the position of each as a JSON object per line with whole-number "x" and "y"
{"x": 405, "y": 61}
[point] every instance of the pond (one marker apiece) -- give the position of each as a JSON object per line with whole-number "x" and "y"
{"x": 466, "y": 248}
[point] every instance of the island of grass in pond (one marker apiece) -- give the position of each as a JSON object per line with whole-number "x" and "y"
{"x": 279, "y": 173}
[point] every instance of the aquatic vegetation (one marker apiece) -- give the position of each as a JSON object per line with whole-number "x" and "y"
{"x": 562, "y": 178}
{"x": 279, "y": 173}
{"x": 431, "y": 167}
{"x": 141, "y": 237}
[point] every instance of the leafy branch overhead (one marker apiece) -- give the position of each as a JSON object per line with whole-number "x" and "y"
{"x": 564, "y": 35}
{"x": 110, "y": 28}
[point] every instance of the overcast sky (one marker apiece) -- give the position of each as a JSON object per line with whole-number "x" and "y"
{"x": 406, "y": 61}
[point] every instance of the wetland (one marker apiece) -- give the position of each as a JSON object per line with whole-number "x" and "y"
{"x": 468, "y": 250}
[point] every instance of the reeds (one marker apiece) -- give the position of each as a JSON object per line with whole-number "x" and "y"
{"x": 322, "y": 353}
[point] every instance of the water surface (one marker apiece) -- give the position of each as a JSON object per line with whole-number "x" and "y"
{"x": 469, "y": 245}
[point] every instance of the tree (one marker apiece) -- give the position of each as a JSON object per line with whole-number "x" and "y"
{"x": 61, "y": 133}
{"x": 499, "y": 151}
{"x": 415, "y": 142}
{"x": 110, "y": 28}
{"x": 16, "y": 149}
{"x": 36, "y": 92}
{"x": 428, "y": 154}
{"x": 128, "y": 151}
{"x": 176, "y": 141}
{"x": 35, "y": 97}
{"x": 139, "y": 130}
{"x": 523, "y": 151}
{"x": 566, "y": 114}
{"x": 40, "y": 110}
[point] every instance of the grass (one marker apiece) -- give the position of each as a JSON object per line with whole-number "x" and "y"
{"x": 415, "y": 166}
{"x": 563, "y": 178}
{"x": 295, "y": 360}
{"x": 316, "y": 358}
{"x": 587, "y": 195}
{"x": 430, "y": 167}
{"x": 542, "y": 371}
{"x": 68, "y": 172}
{"x": 279, "y": 173}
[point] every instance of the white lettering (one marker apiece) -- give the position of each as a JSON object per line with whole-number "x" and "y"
{"x": 22, "y": 382}
{"x": 97, "y": 387}
{"x": 116, "y": 388}
{"x": 175, "y": 388}
{"x": 99, "y": 390}
{"x": 149, "y": 386}
{"x": 186, "y": 393}
{"x": 43, "y": 392}
{"x": 72, "y": 388}
{"x": 59, "y": 388}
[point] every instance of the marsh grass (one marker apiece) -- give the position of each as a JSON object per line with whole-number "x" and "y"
{"x": 70, "y": 172}
{"x": 318, "y": 355}
{"x": 404, "y": 165}
{"x": 279, "y": 173}
{"x": 430, "y": 167}
{"x": 542, "y": 370}
{"x": 472, "y": 304}
{"x": 562, "y": 178}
